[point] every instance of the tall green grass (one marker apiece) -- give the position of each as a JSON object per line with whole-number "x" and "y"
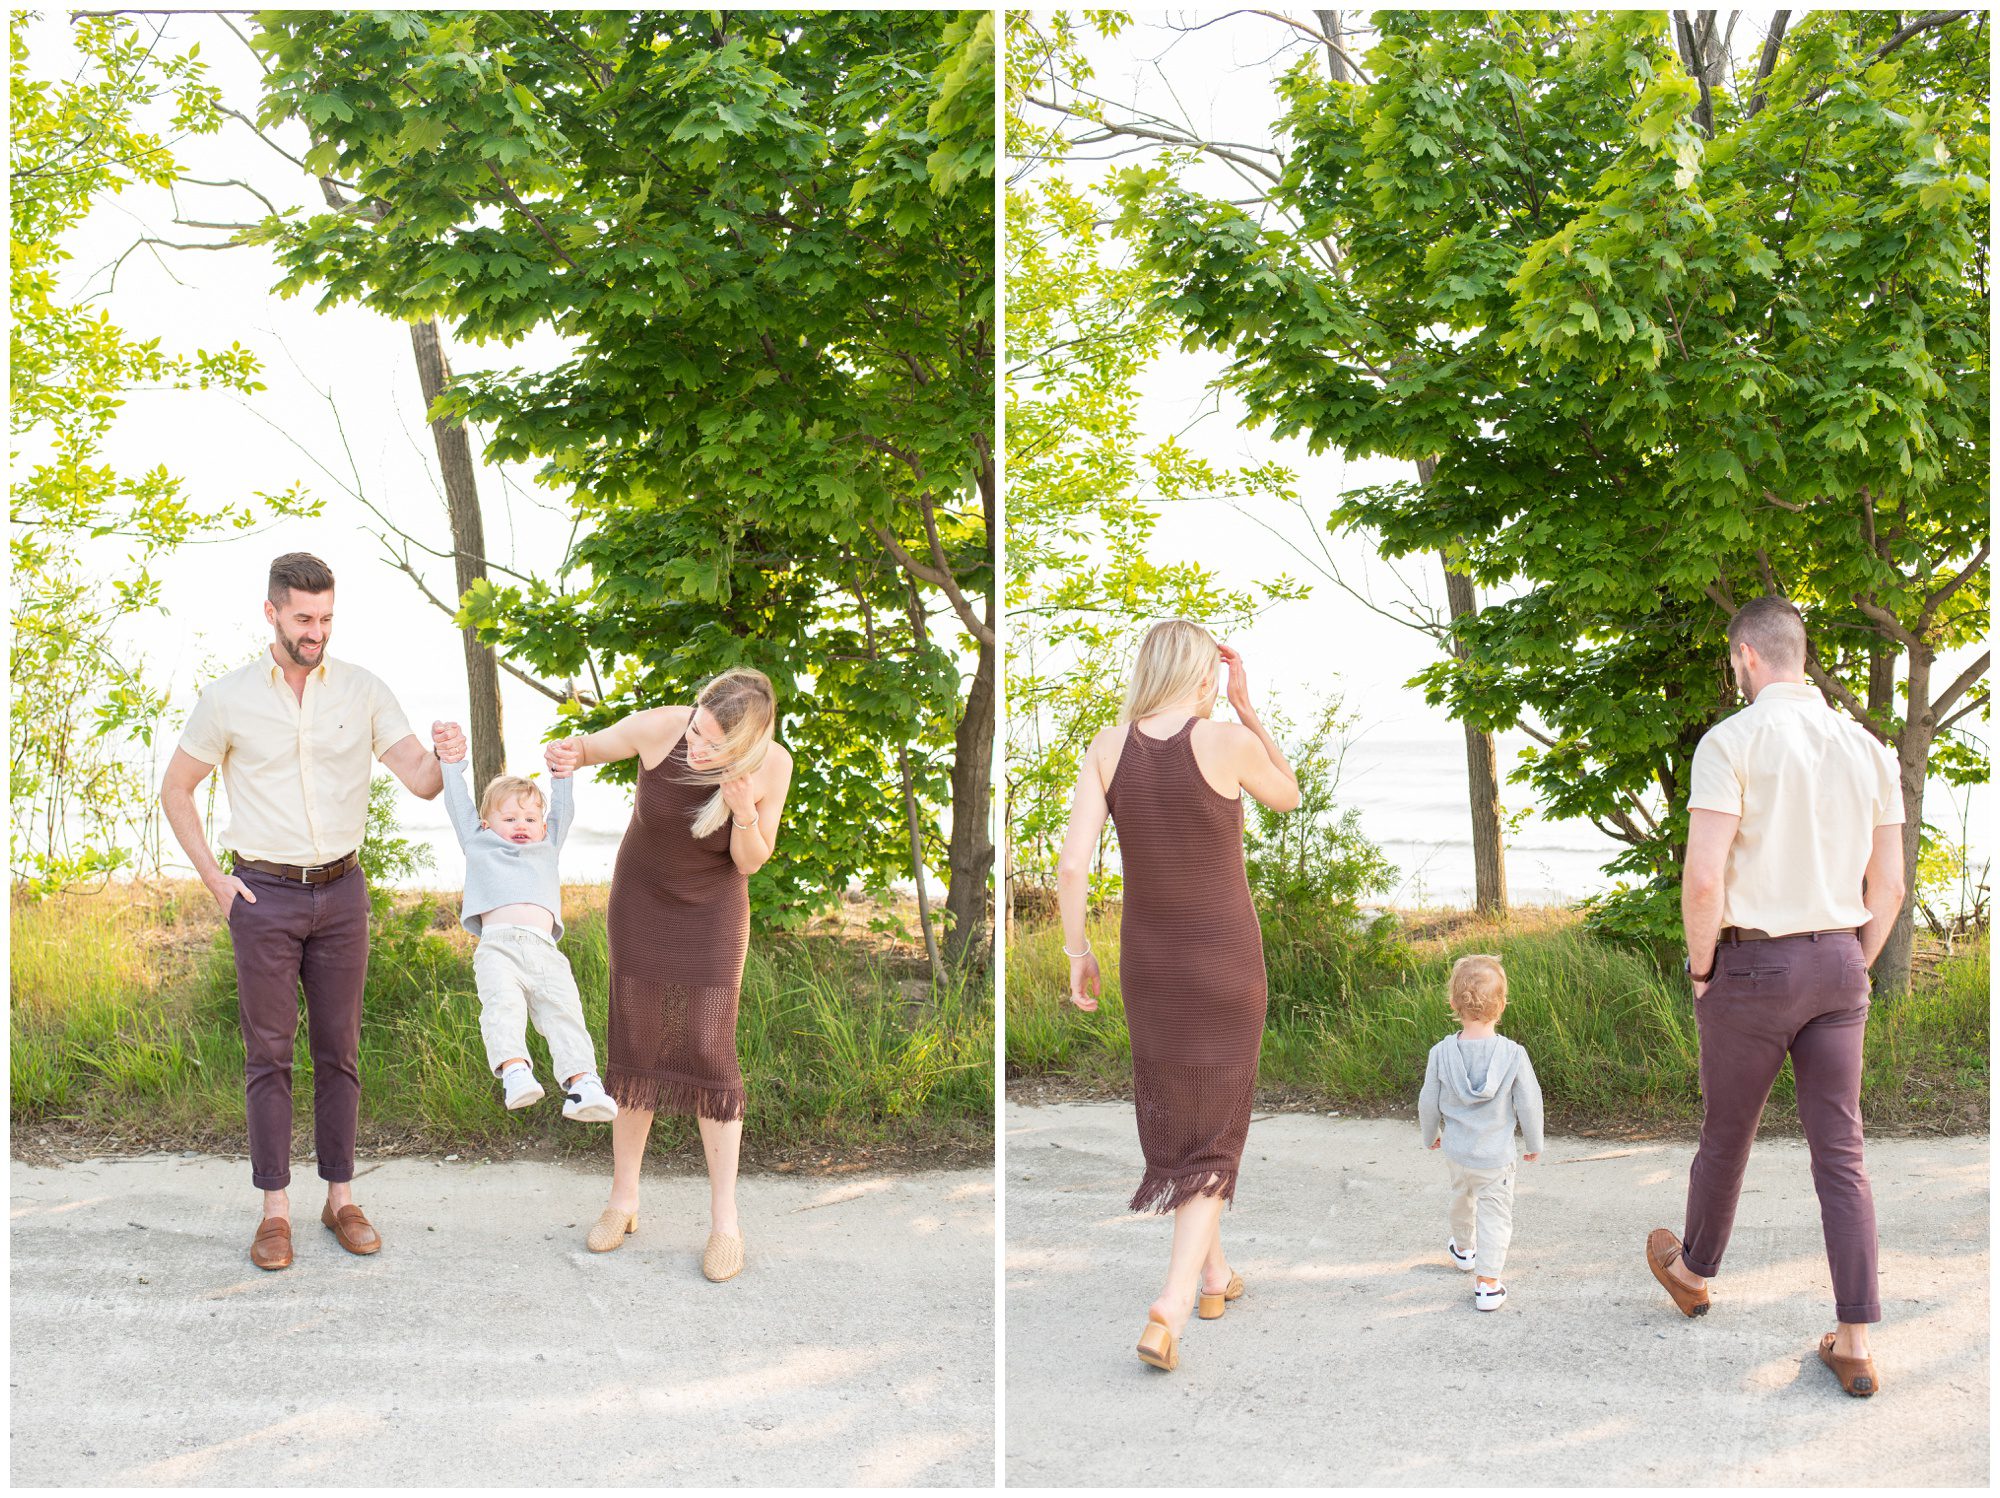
{"x": 123, "y": 1013}
{"x": 1611, "y": 1035}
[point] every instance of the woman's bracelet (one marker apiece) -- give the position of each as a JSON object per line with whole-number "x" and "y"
{"x": 1084, "y": 953}
{"x": 754, "y": 821}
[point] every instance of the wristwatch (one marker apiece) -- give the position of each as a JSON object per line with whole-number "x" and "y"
{"x": 1687, "y": 966}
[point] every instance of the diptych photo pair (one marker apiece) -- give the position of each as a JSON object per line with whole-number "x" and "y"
{"x": 976, "y": 749}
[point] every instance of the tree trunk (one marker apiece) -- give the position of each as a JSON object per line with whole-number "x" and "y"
{"x": 468, "y": 544}
{"x": 1913, "y": 755}
{"x": 1329, "y": 27}
{"x": 917, "y": 866}
{"x": 1482, "y": 772}
{"x": 971, "y": 852}
{"x": 1706, "y": 60}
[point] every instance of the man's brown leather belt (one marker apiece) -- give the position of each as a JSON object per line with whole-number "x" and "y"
{"x": 1736, "y": 934}
{"x": 317, "y": 873}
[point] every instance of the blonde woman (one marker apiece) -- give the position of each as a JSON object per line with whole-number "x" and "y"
{"x": 711, "y": 789}
{"x": 1191, "y": 956}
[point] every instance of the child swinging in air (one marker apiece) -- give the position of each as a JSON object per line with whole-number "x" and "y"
{"x": 513, "y": 904}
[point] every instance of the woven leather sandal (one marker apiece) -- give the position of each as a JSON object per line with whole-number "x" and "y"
{"x": 1209, "y": 1304}
{"x": 1857, "y": 1375}
{"x": 610, "y": 1230}
{"x": 1663, "y": 1249}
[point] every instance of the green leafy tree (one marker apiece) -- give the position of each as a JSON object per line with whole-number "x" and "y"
{"x": 769, "y": 237}
{"x": 1663, "y": 344}
{"x": 84, "y": 534}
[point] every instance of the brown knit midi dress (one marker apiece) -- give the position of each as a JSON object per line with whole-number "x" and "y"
{"x": 1191, "y": 968}
{"x": 679, "y": 924}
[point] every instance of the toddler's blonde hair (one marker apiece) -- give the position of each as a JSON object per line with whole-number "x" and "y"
{"x": 1478, "y": 987}
{"x": 504, "y": 788}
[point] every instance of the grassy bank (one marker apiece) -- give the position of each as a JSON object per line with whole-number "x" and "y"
{"x": 1612, "y": 1037}
{"x": 124, "y": 1027}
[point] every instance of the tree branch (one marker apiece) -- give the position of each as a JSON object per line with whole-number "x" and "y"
{"x": 1768, "y": 61}
{"x": 1929, "y": 21}
{"x": 1936, "y": 600}
{"x": 938, "y": 577}
{"x": 1958, "y": 688}
{"x": 1977, "y": 703}
{"x": 554, "y": 694}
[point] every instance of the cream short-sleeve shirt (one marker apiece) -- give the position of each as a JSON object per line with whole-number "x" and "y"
{"x": 1811, "y": 786}
{"x": 295, "y": 770}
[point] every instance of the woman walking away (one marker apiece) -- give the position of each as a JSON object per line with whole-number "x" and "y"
{"x": 705, "y": 816}
{"x": 1191, "y": 954}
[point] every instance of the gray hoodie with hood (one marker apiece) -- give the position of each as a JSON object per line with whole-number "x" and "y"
{"x": 1477, "y": 1123}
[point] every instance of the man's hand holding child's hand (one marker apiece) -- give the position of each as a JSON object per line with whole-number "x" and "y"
{"x": 449, "y": 741}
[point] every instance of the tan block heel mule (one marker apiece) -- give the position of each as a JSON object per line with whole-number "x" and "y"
{"x": 1209, "y": 1304}
{"x": 1158, "y": 1346}
{"x": 611, "y": 1230}
{"x": 722, "y": 1259}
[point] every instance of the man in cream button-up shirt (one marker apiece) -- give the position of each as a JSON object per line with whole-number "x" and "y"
{"x": 295, "y": 735}
{"x": 1794, "y": 877}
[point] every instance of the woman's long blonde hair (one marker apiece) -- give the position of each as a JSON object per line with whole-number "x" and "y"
{"x": 745, "y": 708}
{"x": 1176, "y": 656}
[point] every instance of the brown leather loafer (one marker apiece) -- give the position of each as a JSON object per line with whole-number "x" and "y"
{"x": 354, "y": 1231}
{"x": 272, "y": 1247}
{"x": 1857, "y": 1375}
{"x": 1663, "y": 1250}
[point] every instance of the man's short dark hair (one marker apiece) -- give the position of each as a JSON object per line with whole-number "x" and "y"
{"x": 1774, "y": 628}
{"x": 300, "y": 572}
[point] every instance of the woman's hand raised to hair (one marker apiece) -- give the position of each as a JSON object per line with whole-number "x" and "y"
{"x": 1085, "y": 982}
{"x": 740, "y": 796}
{"x": 1239, "y": 684}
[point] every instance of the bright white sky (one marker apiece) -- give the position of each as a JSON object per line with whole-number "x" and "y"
{"x": 1406, "y": 770}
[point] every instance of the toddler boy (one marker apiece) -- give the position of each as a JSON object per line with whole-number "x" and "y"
{"x": 1477, "y": 1085}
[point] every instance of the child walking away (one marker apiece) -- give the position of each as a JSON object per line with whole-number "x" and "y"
{"x": 1477, "y": 1086}
{"x": 513, "y": 904}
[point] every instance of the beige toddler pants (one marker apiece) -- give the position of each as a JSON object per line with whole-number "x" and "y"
{"x": 1482, "y": 1213}
{"x": 523, "y": 974}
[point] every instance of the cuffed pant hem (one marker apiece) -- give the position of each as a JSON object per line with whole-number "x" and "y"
{"x": 1868, "y": 1313}
{"x": 1696, "y": 1266}
{"x": 337, "y": 1175}
{"x": 270, "y": 1183}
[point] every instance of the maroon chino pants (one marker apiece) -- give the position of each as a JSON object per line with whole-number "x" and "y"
{"x": 1806, "y": 996}
{"x": 313, "y": 936}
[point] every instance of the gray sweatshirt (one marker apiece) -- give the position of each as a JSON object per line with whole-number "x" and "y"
{"x": 498, "y": 872}
{"x": 1474, "y": 1093}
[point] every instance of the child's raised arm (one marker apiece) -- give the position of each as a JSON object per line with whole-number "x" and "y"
{"x": 457, "y": 798}
{"x": 562, "y": 806}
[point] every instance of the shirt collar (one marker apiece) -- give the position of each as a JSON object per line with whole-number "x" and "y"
{"x": 1791, "y": 691}
{"x": 274, "y": 672}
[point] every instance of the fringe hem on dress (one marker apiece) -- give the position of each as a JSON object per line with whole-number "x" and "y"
{"x": 1160, "y": 1192}
{"x": 652, "y": 1094}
